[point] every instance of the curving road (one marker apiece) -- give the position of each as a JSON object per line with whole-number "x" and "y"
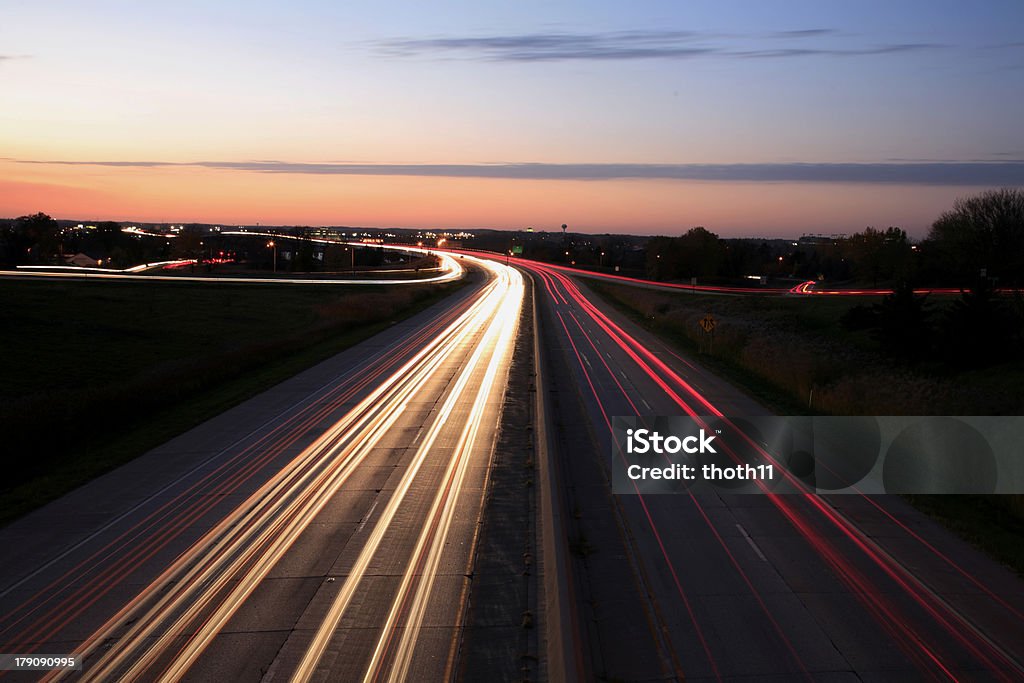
{"x": 746, "y": 587}
{"x": 322, "y": 531}
{"x": 325, "y": 530}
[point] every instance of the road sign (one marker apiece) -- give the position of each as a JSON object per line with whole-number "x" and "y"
{"x": 517, "y": 249}
{"x": 707, "y": 323}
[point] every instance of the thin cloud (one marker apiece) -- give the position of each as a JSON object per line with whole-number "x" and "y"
{"x": 558, "y": 46}
{"x": 805, "y": 52}
{"x": 804, "y": 33}
{"x": 994, "y": 173}
{"x": 624, "y": 45}
{"x": 1005, "y": 157}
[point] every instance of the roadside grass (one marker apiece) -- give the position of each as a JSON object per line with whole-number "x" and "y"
{"x": 993, "y": 524}
{"x": 768, "y": 345}
{"x": 96, "y": 373}
{"x": 780, "y": 349}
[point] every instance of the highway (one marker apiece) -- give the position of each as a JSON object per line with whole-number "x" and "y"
{"x": 746, "y": 587}
{"x": 326, "y": 529}
{"x": 449, "y": 269}
{"x": 806, "y": 288}
{"x": 321, "y": 531}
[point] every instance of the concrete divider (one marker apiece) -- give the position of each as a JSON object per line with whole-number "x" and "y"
{"x": 560, "y": 654}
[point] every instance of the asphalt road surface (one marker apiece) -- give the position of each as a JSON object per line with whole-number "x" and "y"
{"x": 321, "y": 531}
{"x": 325, "y": 530}
{"x": 747, "y": 587}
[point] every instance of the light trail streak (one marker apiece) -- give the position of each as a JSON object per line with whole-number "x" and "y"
{"x": 151, "y": 534}
{"x": 906, "y": 579}
{"x": 810, "y": 287}
{"x": 86, "y": 269}
{"x": 200, "y": 591}
{"x": 901, "y": 630}
{"x": 279, "y": 530}
{"x": 497, "y": 344}
{"x": 849, "y": 527}
{"x": 955, "y": 625}
{"x": 579, "y": 272}
{"x": 451, "y": 270}
{"x": 430, "y": 546}
{"x": 913, "y": 584}
{"x": 643, "y": 504}
{"x": 657, "y": 535}
{"x": 700, "y": 509}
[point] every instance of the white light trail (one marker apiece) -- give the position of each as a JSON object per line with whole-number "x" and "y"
{"x": 450, "y": 270}
{"x": 198, "y": 593}
{"x": 495, "y": 348}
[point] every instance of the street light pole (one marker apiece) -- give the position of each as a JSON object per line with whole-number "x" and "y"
{"x": 273, "y": 245}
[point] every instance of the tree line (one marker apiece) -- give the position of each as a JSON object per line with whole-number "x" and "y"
{"x": 980, "y": 237}
{"x": 38, "y": 239}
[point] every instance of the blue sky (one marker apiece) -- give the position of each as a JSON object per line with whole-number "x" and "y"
{"x": 776, "y": 98}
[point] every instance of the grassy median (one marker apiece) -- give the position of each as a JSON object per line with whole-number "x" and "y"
{"x": 96, "y": 373}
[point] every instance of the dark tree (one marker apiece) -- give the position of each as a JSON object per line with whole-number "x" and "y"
{"x": 189, "y": 244}
{"x": 41, "y": 234}
{"x": 902, "y": 324}
{"x": 980, "y": 328}
{"x": 698, "y": 253}
{"x": 305, "y": 256}
{"x": 985, "y": 231}
{"x": 880, "y": 255}
{"x": 337, "y": 257}
{"x": 15, "y": 246}
{"x": 109, "y": 234}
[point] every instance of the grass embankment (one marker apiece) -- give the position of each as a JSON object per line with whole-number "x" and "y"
{"x": 785, "y": 347}
{"x": 96, "y": 373}
{"x": 794, "y": 355}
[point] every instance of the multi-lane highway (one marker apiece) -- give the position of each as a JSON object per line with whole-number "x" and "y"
{"x": 323, "y": 531}
{"x": 326, "y": 530}
{"x": 746, "y": 587}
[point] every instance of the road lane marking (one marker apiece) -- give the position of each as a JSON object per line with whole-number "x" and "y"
{"x": 751, "y": 542}
{"x": 369, "y": 513}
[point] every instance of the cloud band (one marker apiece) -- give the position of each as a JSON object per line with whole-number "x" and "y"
{"x": 926, "y": 173}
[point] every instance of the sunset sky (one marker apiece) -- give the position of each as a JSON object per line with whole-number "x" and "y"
{"x": 748, "y": 118}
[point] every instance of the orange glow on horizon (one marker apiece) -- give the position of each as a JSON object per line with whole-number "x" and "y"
{"x": 195, "y": 194}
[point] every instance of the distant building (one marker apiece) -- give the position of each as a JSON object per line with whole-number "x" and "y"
{"x": 81, "y": 260}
